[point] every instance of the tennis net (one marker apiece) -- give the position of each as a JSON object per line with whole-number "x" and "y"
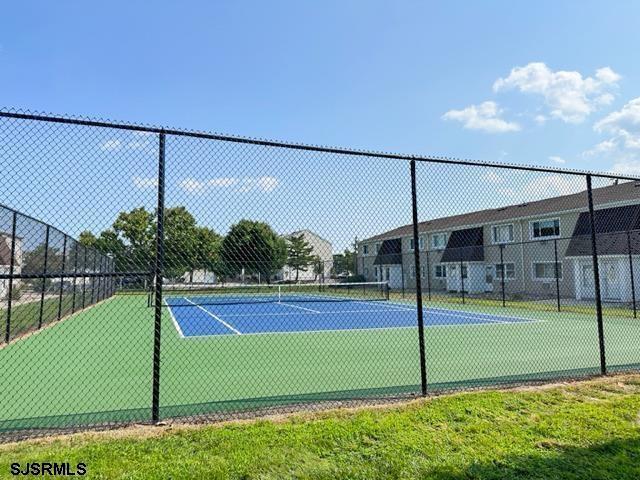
{"x": 200, "y": 294}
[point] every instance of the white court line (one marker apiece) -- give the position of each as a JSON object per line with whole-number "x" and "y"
{"x": 238, "y": 332}
{"x": 173, "y": 319}
{"x": 328, "y": 312}
{"x": 389, "y": 307}
{"x": 301, "y": 308}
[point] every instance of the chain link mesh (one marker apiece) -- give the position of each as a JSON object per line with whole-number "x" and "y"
{"x": 285, "y": 275}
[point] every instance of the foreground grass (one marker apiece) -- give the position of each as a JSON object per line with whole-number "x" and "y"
{"x": 586, "y": 430}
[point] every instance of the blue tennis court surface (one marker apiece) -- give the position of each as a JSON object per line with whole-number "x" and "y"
{"x": 201, "y": 320}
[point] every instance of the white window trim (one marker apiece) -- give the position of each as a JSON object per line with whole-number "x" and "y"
{"x": 446, "y": 239}
{"x": 513, "y": 233}
{"x": 550, "y": 237}
{"x": 550, "y": 279}
{"x": 506, "y": 279}
{"x": 365, "y": 254}
{"x": 412, "y": 271}
{"x": 376, "y": 247}
{"x": 420, "y": 243}
{"x": 435, "y": 268}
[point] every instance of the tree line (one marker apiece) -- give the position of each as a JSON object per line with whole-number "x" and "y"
{"x": 251, "y": 247}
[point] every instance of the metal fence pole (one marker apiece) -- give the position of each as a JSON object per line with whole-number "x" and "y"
{"x": 556, "y": 269}
{"x": 502, "y": 273}
{"x": 633, "y": 280}
{"x": 64, "y": 265}
{"x": 416, "y": 259}
{"x": 44, "y": 272}
{"x": 159, "y": 270}
{"x": 402, "y": 273}
{"x": 7, "y": 333}
{"x": 596, "y": 278}
{"x": 75, "y": 271}
{"x": 93, "y": 279}
{"x": 462, "y": 283}
{"x": 428, "y": 276}
{"x": 84, "y": 277}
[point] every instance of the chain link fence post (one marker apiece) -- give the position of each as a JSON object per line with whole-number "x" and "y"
{"x": 416, "y": 260}
{"x": 159, "y": 270}
{"x": 596, "y": 278}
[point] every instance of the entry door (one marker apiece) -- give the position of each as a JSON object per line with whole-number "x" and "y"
{"x": 588, "y": 285}
{"x": 488, "y": 278}
{"x": 610, "y": 279}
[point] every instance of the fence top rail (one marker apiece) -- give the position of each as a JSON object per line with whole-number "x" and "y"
{"x": 81, "y": 121}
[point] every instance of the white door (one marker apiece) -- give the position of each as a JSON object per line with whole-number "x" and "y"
{"x": 588, "y": 285}
{"x": 610, "y": 279}
{"x": 454, "y": 282}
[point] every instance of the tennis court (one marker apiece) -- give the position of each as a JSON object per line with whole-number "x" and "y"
{"x": 306, "y": 308}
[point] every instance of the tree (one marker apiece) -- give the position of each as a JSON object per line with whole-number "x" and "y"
{"x": 87, "y": 239}
{"x": 254, "y": 247}
{"x": 344, "y": 263}
{"x": 299, "y": 254}
{"x": 208, "y": 244}
{"x": 318, "y": 267}
{"x": 137, "y": 229}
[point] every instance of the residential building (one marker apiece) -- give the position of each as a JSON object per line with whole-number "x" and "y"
{"x": 534, "y": 249}
{"x": 321, "y": 248}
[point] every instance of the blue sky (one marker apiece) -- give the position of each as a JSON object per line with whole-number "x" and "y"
{"x": 544, "y": 83}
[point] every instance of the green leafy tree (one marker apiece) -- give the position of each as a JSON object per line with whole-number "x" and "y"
{"x": 87, "y": 239}
{"x": 299, "y": 254}
{"x": 137, "y": 229}
{"x": 253, "y": 246}
{"x": 344, "y": 263}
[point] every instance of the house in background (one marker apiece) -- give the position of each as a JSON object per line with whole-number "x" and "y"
{"x": 5, "y": 262}
{"x": 541, "y": 248}
{"x": 321, "y": 248}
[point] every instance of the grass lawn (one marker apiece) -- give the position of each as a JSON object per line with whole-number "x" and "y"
{"x": 585, "y": 430}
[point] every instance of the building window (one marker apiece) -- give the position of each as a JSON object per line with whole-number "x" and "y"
{"x": 375, "y": 271}
{"x": 366, "y": 272}
{"x": 420, "y": 243}
{"x": 464, "y": 271}
{"x": 422, "y": 270}
{"x": 412, "y": 271}
{"x": 377, "y": 247}
{"x": 509, "y": 271}
{"x": 546, "y": 270}
{"x": 502, "y": 233}
{"x": 440, "y": 271}
{"x": 365, "y": 249}
{"x": 545, "y": 228}
{"x": 439, "y": 241}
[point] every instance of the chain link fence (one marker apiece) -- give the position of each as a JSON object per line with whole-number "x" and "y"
{"x": 229, "y": 275}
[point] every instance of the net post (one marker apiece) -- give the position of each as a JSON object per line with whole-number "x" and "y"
{"x": 159, "y": 270}
{"x": 416, "y": 259}
{"x": 596, "y": 278}
{"x": 44, "y": 273}
{"x": 64, "y": 265}
{"x": 556, "y": 269}
{"x": 7, "y": 333}
{"x": 633, "y": 280}
{"x": 502, "y": 272}
{"x": 75, "y": 271}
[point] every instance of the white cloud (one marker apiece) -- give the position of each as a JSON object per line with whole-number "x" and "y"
{"x": 142, "y": 140}
{"x": 142, "y": 182}
{"x": 222, "y": 182}
{"x": 546, "y": 186}
{"x": 267, "y": 184}
{"x": 484, "y": 117}
{"x": 246, "y": 184}
{"x": 112, "y": 144}
{"x": 558, "y": 160}
{"x": 569, "y": 96}
{"x": 540, "y": 119}
{"x": 627, "y": 167}
{"x": 192, "y": 186}
{"x": 623, "y": 144}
